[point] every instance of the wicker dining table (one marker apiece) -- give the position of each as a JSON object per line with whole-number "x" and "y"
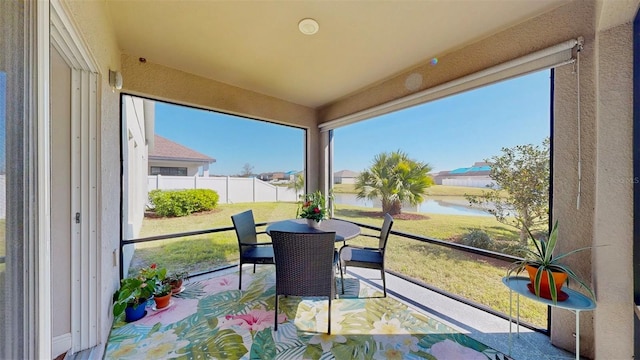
{"x": 344, "y": 230}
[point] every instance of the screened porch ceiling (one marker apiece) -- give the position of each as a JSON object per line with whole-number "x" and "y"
{"x": 256, "y": 45}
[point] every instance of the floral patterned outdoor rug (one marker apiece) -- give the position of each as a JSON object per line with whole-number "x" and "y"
{"x": 212, "y": 319}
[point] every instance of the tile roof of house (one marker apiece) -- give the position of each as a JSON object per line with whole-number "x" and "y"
{"x": 346, "y": 173}
{"x": 165, "y": 149}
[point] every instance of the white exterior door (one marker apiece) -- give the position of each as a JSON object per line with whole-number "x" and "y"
{"x": 75, "y": 244}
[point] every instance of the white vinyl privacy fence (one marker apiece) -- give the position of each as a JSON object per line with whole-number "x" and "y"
{"x": 230, "y": 189}
{"x": 479, "y": 183}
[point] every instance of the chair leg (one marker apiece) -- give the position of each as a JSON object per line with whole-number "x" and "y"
{"x": 276, "y": 317}
{"x": 384, "y": 284}
{"x": 254, "y": 268}
{"x": 342, "y": 276}
{"x": 240, "y": 277}
{"x": 329, "y": 317}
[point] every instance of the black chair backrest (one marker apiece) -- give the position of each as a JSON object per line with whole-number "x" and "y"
{"x": 384, "y": 231}
{"x": 304, "y": 263}
{"x": 245, "y": 227}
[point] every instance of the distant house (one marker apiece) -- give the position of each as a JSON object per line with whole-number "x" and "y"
{"x": 345, "y": 177}
{"x": 172, "y": 159}
{"x": 291, "y": 175}
{"x": 273, "y": 176}
{"x": 474, "y": 176}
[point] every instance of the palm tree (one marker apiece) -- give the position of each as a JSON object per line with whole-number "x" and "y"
{"x": 394, "y": 178}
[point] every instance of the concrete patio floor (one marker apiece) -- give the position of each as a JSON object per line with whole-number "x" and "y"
{"x": 480, "y": 325}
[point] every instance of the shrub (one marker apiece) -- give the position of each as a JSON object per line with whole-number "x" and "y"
{"x": 204, "y": 199}
{"x": 174, "y": 203}
{"x": 478, "y": 239}
{"x": 152, "y": 195}
{"x": 513, "y": 249}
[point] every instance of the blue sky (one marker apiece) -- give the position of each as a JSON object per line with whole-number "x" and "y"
{"x": 232, "y": 141}
{"x": 448, "y": 133}
{"x": 455, "y": 131}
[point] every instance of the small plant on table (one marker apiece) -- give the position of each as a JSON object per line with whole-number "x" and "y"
{"x": 176, "y": 279}
{"x": 312, "y": 206}
{"x": 546, "y": 273}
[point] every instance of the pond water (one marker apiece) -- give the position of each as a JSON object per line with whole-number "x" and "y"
{"x": 447, "y": 205}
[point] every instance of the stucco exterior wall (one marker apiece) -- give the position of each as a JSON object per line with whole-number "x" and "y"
{"x": 134, "y": 169}
{"x": 605, "y": 212}
{"x": 613, "y": 223}
{"x": 134, "y": 154}
{"x": 575, "y": 223}
{"x": 164, "y": 83}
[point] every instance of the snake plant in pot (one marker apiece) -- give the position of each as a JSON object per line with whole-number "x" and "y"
{"x": 545, "y": 271}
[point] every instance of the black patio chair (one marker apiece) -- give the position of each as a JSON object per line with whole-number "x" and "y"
{"x": 366, "y": 257}
{"x": 251, "y": 251}
{"x": 305, "y": 266}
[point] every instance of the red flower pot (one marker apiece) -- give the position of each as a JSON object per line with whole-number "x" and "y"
{"x": 176, "y": 286}
{"x": 162, "y": 301}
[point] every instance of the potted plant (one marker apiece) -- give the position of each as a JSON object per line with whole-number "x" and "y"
{"x": 132, "y": 297}
{"x": 162, "y": 295}
{"x": 158, "y": 274}
{"x": 545, "y": 271}
{"x": 175, "y": 280}
{"x": 134, "y": 292}
{"x": 312, "y": 207}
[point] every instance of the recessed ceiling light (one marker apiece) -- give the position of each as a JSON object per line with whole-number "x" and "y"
{"x": 308, "y": 26}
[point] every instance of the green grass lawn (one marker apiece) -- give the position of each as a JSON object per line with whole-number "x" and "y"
{"x": 202, "y": 252}
{"x": 470, "y": 276}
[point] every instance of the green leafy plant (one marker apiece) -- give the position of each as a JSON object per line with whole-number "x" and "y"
{"x": 158, "y": 274}
{"x": 177, "y": 276}
{"x": 519, "y": 188}
{"x": 312, "y": 206}
{"x": 135, "y": 291}
{"x": 546, "y": 263}
{"x": 175, "y": 280}
{"x": 174, "y": 203}
{"x": 162, "y": 289}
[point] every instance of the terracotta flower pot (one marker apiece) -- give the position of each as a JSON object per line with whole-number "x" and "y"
{"x": 176, "y": 285}
{"x": 162, "y": 301}
{"x": 545, "y": 291}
